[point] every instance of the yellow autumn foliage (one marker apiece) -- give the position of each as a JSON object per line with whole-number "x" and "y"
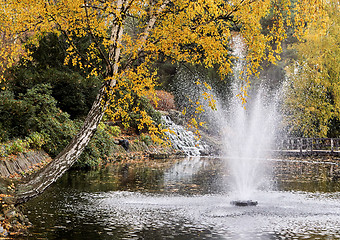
{"x": 127, "y": 35}
{"x": 313, "y": 94}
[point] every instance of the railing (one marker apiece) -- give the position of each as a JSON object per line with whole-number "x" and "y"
{"x": 309, "y": 145}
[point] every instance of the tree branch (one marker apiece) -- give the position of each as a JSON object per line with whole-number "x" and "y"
{"x": 146, "y": 33}
{"x": 94, "y": 37}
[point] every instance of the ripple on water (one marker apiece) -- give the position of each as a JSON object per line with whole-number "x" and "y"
{"x": 279, "y": 215}
{"x": 73, "y": 210}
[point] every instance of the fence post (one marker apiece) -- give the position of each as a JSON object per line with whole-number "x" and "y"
{"x": 332, "y": 146}
{"x": 311, "y": 145}
{"x": 300, "y": 146}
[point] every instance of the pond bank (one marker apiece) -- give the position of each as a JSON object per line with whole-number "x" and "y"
{"x": 16, "y": 166}
{"x": 12, "y": 169}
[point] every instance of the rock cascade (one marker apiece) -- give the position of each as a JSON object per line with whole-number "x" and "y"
{"x": 182, "y": 139}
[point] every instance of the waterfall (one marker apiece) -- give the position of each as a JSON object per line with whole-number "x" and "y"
{"x": 182, "y": 139}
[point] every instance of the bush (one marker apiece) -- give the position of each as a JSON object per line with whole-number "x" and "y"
{"x": 115, "y": 130}
{"x": 36, "y": 117}
{"x": 99, "y": 149}
{"x": 165, "y": 101}
{"x": 70, "y": 86}
{"x": 17, "y": 146}
{"x": 146, "y": 139}
{"x": 36, "y": 140}
{"x": 36, "y": 111}
{"x": 48, "y": 119}
{"x": 74, "y": 93}
{"x": 15, "y": 114}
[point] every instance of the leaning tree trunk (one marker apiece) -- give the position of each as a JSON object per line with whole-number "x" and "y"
{"x": 58, "y": 166}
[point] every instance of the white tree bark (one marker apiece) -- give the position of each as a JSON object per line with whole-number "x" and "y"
{"x": 58, "y": 166}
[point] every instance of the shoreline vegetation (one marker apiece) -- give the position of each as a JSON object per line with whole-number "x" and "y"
{"x": 34, "y": 129}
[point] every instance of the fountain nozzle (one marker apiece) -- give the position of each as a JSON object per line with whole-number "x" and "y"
{"x": 240, "y": 203}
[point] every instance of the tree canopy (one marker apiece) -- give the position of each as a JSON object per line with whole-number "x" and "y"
{"x": 196, "y": 32}
{"x": 312, "y": 101}
{"x": 124, "y": 36}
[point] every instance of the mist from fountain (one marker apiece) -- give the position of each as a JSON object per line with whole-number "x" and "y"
{"x": 247, "y": 132}
{"x": 247, "y": 138}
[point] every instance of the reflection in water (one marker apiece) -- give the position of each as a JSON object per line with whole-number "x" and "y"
{"x": 194, "y": 175}
{"x": 184, "y": 170}
{"x": 185, "y": 201}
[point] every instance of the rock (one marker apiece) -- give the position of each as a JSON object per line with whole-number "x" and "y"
{"x": 124, "y": 143}
{"x": 158, "y": 155}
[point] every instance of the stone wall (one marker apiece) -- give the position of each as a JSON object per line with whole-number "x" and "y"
{"x": 22, "y": 163}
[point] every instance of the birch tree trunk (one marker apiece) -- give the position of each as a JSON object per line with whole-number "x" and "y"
{"x": 59, "y": 165}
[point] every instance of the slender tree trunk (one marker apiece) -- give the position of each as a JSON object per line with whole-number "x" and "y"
{"x": 56, "y": 168}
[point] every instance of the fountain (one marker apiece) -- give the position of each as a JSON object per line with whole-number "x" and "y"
{"x": 247, "y": 137}
{"x": 247, "y": 132}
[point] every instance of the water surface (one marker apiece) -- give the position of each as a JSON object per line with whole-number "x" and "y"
{"x": 186, "y": 199}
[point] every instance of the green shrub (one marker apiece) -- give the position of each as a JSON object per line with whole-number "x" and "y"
{"x": 35, "y": 111}
{"x": 146, "y": 139}
{"x": 115, "y": 130}
{"x": 15, "y": 114}
{"x": 36, "y": 117}
{"x": 17, "y": 146}
{"x": 74, "y": 91}
{"x": 48, "y": 119}
{"x": 99, "y": 149}
{"x": 36, "y": 140}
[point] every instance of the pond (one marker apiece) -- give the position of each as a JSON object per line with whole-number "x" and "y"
{"x": 186, "y": 199}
